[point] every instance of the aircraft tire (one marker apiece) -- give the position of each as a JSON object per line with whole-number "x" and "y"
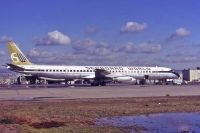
{"x": 103, "y": 83}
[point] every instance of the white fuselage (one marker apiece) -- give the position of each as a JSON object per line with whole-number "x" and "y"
{"x": 88, "y": 72}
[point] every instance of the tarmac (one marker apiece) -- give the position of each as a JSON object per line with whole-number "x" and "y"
{"x": 110, "y": 91}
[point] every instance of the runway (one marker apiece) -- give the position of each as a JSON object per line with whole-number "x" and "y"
{"x": 113, "y": 91}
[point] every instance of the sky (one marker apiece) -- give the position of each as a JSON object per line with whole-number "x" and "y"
{"x": 103, "y": 32}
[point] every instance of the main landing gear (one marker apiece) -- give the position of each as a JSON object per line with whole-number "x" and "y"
{"x": 98, "y": 83}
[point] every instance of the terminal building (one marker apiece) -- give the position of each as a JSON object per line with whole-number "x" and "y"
{"x": 191, "y": 75}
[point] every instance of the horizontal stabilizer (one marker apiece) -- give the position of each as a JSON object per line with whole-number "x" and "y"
{"x": 15, "y": 67}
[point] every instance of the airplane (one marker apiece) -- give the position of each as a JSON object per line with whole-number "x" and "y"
{"x": 96, "y": 75}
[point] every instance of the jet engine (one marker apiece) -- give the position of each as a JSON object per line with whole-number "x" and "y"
{"x": 125, "y": 79}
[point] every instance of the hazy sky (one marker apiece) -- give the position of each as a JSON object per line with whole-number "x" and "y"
{"x": 103, "y": 32}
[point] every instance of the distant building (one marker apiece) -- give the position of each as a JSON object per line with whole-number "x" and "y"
{"x": 191, "y": 75}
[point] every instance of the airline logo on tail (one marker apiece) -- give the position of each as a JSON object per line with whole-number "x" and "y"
{"x": 16, "y": 55}
{"x": 18, "y": 58}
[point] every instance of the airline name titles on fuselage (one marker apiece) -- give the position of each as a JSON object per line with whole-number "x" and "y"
{"x": 119, "y": 68}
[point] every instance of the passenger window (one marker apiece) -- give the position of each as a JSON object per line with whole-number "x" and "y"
{"x": 74, "y": 70}
{"x": 87, "y": 70}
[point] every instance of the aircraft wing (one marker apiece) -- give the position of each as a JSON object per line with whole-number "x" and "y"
{"x": 101, "y": 73}
{"x": 89, "y": 77}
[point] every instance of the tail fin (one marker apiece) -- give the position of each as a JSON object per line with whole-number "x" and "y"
{"x": 16, "y": 55}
